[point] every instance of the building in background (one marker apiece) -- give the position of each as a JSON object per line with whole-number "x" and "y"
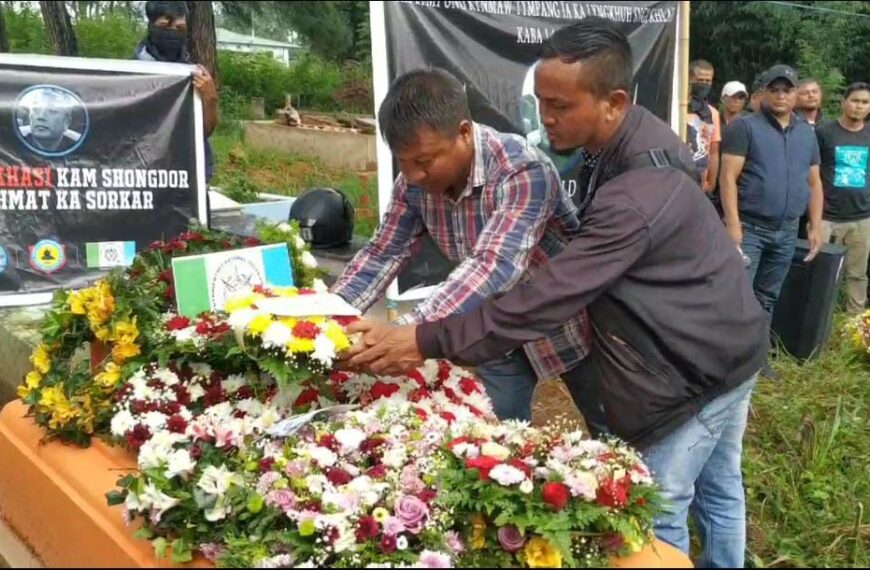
{"x": 282, "y": 51}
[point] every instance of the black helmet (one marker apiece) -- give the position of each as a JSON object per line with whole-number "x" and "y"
{"x": 325, "y": 217}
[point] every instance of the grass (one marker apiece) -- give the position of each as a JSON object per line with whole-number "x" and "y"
{"x": 242, "y": 171}
{"x": 807, "y": 463}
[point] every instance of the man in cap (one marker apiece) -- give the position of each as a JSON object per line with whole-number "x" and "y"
{"x": 734, "y": 98}
{"x": 770, "y": 177}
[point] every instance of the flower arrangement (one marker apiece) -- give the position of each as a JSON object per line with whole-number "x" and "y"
{"x": 859, "y": 330}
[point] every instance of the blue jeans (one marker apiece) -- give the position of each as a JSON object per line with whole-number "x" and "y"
{"x": 510, "y": 383}
{"x": 771, "y": 253}
{"x": 698, "y": 468}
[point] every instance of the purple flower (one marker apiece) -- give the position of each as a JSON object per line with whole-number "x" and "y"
{"x": 410, "y": 481}
{"x": 454, "y": 543}
{"x": 283, "y": 499}
{"x": 511, "y": 539}
{"x": 296, "y": 469}
{"x": 211, "y": 552}
{"x": 394, "y": 527}
{"x": 413, "y": 513}
{"x": 264, "y": 485}
{"x": 429, "y": 559}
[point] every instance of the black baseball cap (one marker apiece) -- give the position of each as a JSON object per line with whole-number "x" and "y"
{"x": 779, "y": 72}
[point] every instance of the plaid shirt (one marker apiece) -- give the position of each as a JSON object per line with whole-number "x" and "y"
{"x": 510, "y": 219}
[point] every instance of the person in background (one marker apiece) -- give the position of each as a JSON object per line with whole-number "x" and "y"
{"x": 809, "y": 102}
{"x": 770, "y": 177}
{"x": 757, "y": 95}
{"x": 493, "y": 203}
{"x": 704, "y": 129}
{"x": 734, "y": 98}
{"x": 167, "y": 42}
{"x": 845, "y": 150}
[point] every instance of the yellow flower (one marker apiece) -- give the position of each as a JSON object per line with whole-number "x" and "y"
{"x": 285, "y": 291}
{"x": 77, "y": 303}
{"x": 41, "y": 359}
{"x": 33, "y": 379}
{"x": 316, "y": 320}
{"x": 300, "y": 345}
{"x": 259, "y": 324}
{"x": 109, "y": 377}
{"x": 241, "y": 302}
{"x": 102, "y": 334}
{"x": 122, "y": 352}
{"x": 24, "y": 392}
{"x": 126, "y": 332}
{"x": 335, "y": 333}
{"x": 381, "y": 515}
{"x": 541, "y": 554}
{"x": 102, "y": 306}
{"x": 478, "y": 532}
{"x": 289, "y": 322}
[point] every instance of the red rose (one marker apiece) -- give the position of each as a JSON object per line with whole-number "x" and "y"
{"x": 614, "y": 494}
{"x": 329, "y": 442}
{"x": 203, "y": 327}
{"x": 338, "y": 476}
{"x": 388, "y": 545}
{"x": 469, "y": 386}
{"x": 306, "y": 329}
{"x": 556, "y": 495}
{"x": 176, "y": 424}
{"x": 266, "y": 464}
{"x": 367, "y": 529}
{"x": 427, "y": 495}
{"x": 444, "y": 369}
{"x": 218, "y": 330}
{"x": 377, "y": 472}
{"x": 421, "y": 414}
{"x": 383, "y": 390}
{"x": 483, "y": 464}
{"x": 308, "y": 396}
{"x": 177, "y": 323}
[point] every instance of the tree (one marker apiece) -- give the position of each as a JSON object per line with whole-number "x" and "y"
{"x": 59, "y": 27}
{"x": 201, "y": 35}
{"x": 4, "y": 39}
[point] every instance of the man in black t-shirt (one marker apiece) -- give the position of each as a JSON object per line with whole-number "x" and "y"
{"x": 845, "y": 152}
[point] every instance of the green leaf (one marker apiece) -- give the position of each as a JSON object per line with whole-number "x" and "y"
{"x": 143, "y": 534}
{"x": 159, "y": 545}
{"x": 181, "y": 552}
{"x": 115, "y": 498}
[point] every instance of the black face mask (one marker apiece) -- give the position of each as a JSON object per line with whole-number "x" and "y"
{"x": 171, "y": 43}
{"x": 701, "y": 90}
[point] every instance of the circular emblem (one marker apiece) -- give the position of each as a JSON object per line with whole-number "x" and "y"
{"x": 4, "y": 259}
{"x": 50, "y": 120}
{"x": 233, "y": 275}
{"x": 47, "y": 256}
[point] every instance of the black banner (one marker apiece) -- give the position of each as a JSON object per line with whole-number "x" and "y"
{"x": 492, "y": 47}
{"x": 97, "y": 160}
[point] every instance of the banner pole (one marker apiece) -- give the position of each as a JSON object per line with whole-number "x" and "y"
{"x": 685, "y": 17}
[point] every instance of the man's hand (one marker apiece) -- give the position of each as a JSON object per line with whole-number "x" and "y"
{"x": 736, "y": 233}
{"x": 204, "y": 83}
{"x": 814, "y": 236}
{"x": 383, "y": 349}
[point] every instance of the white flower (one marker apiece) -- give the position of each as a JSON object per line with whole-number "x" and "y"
{"x": 166, "y": 440}
{"x": 122, "y": 423}
{"x": 196, "y": 392}
{"x": 324, "y": 350}
{"x": 494, "y": 450}
{"x": 201, "y": 369}
{"x": 219, "y": 512}
{"x": 133, "y": 503}
{"x": 583, "y": 484}
{"x": 160, "y": 502}
{"x": 166, "y": 376}
{"x": 298, "y": 241}
{"x": 316, "y": 484}
{"x": 323, "y": 457}
{"x": 155, "y": 421}
{"x": 507, "y": 475}
{"x": 220, "y": 412}
{"x": 267, "y": 419}
{"x": 239, "y": 320}
{"x": 319, "y": 286}
{"x": 395, "y": 458}
{"x": 152, "y": 456}
{"x": 232, "y": 384}
{"x": 277, "y": 336}
{"x": 180, "y": 464}
{"x": 350, "y": 439}
{"x": 526, "y": 487}
{"x": 402, "y": 543}
{"x": 216, "y": 480}
{"x": 308, "y": 260}
{"x": 284, "y": 227}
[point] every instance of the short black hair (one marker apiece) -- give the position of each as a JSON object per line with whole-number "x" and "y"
{"x": 602, "y": 45}
{"x": 156, "y": 9}
{"x": 423, "y": 98}
{"x": 700, "y": 65}
{"x": 857, "y": 86}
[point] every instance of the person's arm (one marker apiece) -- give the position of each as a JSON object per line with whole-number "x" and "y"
{"x": 735, "y": 147}
{"x": 524, "y": 203}
{"x": 205, "y": 86}
{"x": 817, "y": 203}
{"x": 372, "y": 270}
{"x": 713, "y": 165}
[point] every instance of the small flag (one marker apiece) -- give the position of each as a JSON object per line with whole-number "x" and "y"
{"x": 205, "y": 282}
{"x": 108, "y": 254}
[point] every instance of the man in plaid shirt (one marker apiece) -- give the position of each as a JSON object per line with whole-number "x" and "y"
{"x": 492, "y": 203}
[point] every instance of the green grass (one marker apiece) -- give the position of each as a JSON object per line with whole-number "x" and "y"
{"x": 241, "y": 171}
{"x": 807, "y": 463}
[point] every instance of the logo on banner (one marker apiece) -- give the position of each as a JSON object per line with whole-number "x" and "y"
{"x": 50, "y": 120}
{"x": 106, "y": 255}
{"x": 233, "y": 276}
{"x": 47, "y": 256}
{"x": 4, "y": 259}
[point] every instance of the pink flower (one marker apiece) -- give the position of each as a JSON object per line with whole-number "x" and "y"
{"x": 413, "y": 513}
{"x": 224, "y": 437}
{"x": 284, "y": 500}
{"x": 296, "y": 469}
{"x": 454, "y": 543}
{"x": 201, "y": 431}
{"x": 511, "y": 539}
{"x": 211, "y": 552}
{"x": 264, "y": 485}
{"x": 410, "y": 481}
{"x": 429, "y": 559}
{"x": 393, "y": 527}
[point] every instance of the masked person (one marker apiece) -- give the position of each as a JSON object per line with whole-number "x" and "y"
{"x": 704, "y": 130}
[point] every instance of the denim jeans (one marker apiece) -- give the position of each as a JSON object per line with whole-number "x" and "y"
{"x": 770, "y": 252}
{"x": 698, "y": 468}
{"x": 510, "y": 383}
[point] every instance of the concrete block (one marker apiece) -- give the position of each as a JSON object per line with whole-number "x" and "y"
{"x": 335, "y": 148}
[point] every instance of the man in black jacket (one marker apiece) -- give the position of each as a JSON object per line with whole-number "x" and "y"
{"x": 678, "y": 334}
